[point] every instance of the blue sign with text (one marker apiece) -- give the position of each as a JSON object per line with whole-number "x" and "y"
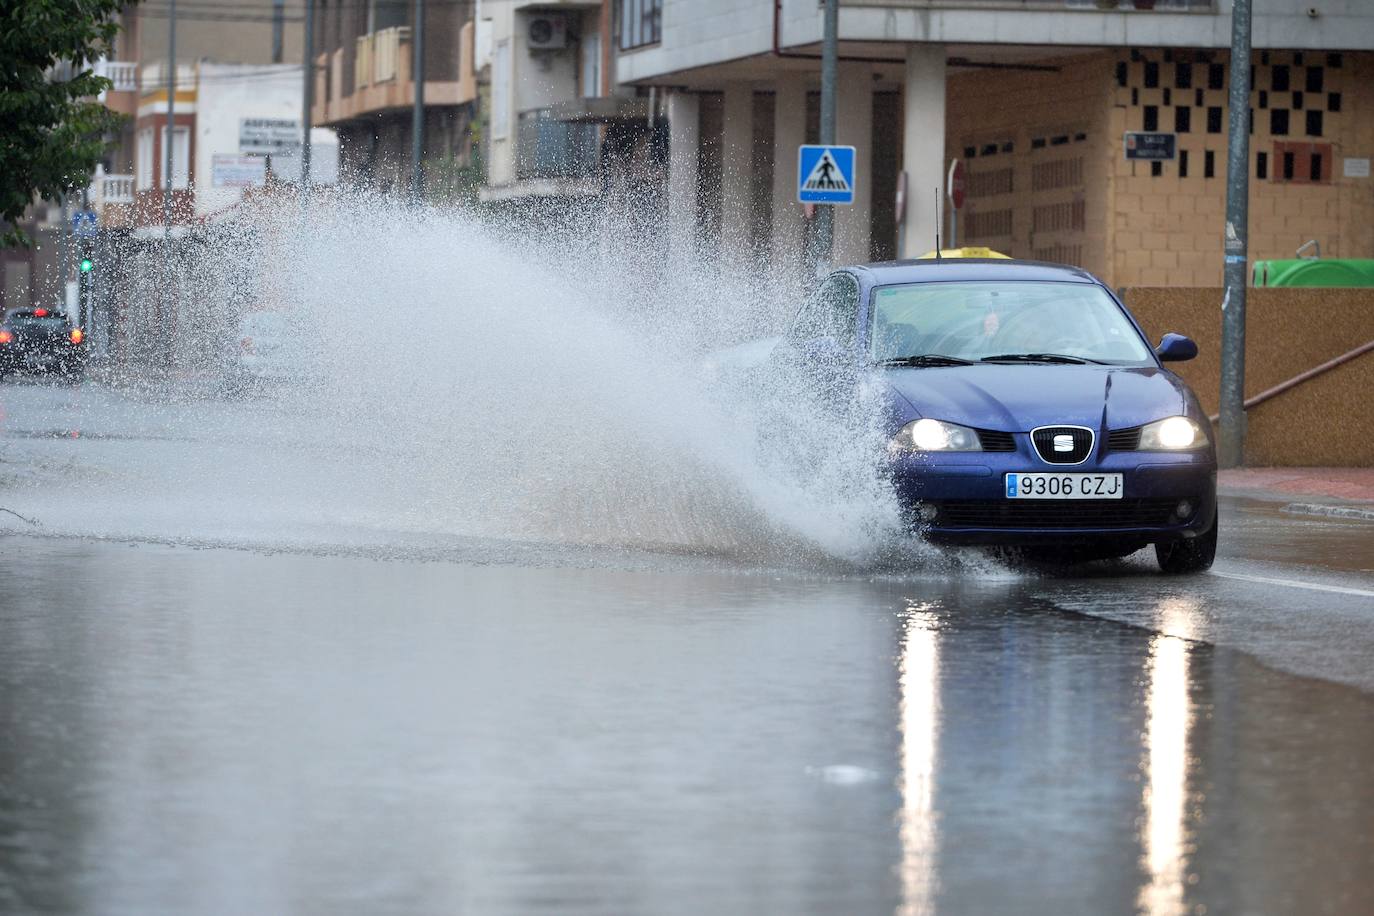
{"x": 825, "y": 174}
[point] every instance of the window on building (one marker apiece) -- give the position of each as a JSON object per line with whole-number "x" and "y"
{"x": 641, "y": 23}
{"x": 1209, "y": 164}
{"x": 181, "y": 157}
{"x": 1302, "y": 163}
{"x": 1278, "y": 122}
{"x": 500, "y": 90}
{"x": 1216, "y": 76}
{"x": 1314, "y": 123}
{"x": 1183, "y": 163}
{"x": 1261, "y": 166}
{"x": 1183, "y": 120}
{"x": 144, "y": 165}
{"x": 387, "y": 14}
{"x": 1151, "y": 118}
{"x": 591, "y": 64}
{"x": 1278, "y": 78}
{"x": 1183, "y": 75}
{"x": 1315, "y": 76}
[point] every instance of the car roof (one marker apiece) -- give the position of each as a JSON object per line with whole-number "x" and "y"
{"x": 947, "y": 269}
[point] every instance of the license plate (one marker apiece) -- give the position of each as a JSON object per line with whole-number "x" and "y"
{"x": 1064, "y": 486}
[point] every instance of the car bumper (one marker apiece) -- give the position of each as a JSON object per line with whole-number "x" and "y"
{"x": 40, "y": 358}
{"x": 961, "y": 499}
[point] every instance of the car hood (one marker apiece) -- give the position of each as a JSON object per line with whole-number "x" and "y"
{"x": 1020, "y": 398}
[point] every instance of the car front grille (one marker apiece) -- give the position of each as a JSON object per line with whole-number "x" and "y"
{"x": 1081, "y": 444}
{"x": 1067, "y": 513}
{"x": 1124, "y": 440}
{"x": 995, "y": 441}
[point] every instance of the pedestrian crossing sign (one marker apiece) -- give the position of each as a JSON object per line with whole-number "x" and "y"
{"x": 825, "y": 174}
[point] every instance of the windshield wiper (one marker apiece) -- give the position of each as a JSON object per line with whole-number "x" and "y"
{"x": 1039, "y": 358}
{"x": 925, "y": 360}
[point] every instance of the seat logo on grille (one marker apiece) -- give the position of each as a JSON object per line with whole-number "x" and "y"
{"x": 1063, "y": 443}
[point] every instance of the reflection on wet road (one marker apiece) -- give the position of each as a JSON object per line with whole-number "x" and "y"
{"x": 217, "y": 731}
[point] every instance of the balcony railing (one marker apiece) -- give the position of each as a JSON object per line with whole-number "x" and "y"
{"x": 548, "y": 148}
{"x": 124, "y": 74}
{"x": 111, "y": 189}
{"x": 377, "y": 56}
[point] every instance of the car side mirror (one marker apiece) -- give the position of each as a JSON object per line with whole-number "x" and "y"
{"x": 1175, "y": 348}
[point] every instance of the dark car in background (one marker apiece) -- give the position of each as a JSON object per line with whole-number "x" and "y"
{"x": 40, "y": 340}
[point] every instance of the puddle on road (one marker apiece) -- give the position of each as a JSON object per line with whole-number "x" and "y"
{"x": 312, "y": 731}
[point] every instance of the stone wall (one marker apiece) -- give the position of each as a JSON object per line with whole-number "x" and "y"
{"x": 1328, "y": 421}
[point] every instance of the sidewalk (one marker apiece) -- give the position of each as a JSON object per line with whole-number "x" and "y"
{"x": 1340, "y": 484}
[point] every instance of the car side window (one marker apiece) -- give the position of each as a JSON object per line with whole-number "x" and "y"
{"x": 830, "y": 312}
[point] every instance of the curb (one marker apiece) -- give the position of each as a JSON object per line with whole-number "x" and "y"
{"x": 1327, "y": 511}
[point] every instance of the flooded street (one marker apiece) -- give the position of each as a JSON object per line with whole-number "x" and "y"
{"x": 263, "y": 707}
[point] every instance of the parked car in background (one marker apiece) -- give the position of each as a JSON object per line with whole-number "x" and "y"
{"x": 40, "y": 340}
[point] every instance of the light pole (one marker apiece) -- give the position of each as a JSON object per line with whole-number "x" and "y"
{"x": 417, "y": 117}
{"x": 308, "y": 66}
{"x": 825, "y": 213}
{"x": 1232, "y": 444}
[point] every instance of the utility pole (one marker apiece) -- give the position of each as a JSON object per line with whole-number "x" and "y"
{"x": 417, "y": 124}
{"x": 830, "y": 49}
{"x": 308, "y": 67}
{"x": 1232, "y": 451}
{"x": 168, "y": 141}
{"x": 278, "y": 27}
{"x": 166, "y": 303}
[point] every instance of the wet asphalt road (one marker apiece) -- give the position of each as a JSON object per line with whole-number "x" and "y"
{"x": 509, "y": 729}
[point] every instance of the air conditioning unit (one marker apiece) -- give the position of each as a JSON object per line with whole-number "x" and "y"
{"x": 547, "y": 32}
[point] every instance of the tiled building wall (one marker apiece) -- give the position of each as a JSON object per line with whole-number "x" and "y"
{"x": 1032, "y": 143}
{"x": 1310, "y": 114}
{"x": 1047, "y": 177}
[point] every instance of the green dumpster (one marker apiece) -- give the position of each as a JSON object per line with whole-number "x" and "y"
{"x": 1315, "y": 272}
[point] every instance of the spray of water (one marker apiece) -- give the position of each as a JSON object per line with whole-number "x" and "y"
{"x": 471, "y": 377}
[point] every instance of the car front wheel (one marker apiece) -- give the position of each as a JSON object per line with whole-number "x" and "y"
{"x": 1188, "y": 556}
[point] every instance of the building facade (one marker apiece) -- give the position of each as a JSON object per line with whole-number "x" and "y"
{"x": 365, "y": 90}
{"x": 1035, "y": 99}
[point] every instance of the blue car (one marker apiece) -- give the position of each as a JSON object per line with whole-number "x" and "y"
{"x": 1024, "y": 407}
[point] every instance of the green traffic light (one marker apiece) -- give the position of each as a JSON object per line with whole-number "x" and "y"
{"x": 87, "y": 265}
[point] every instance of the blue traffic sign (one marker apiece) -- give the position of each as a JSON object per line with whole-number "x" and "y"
{"x": 825, "y": 174}
{"x": 84, "y": 222}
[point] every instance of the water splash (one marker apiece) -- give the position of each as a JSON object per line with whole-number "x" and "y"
{"x": 469, "y": 377}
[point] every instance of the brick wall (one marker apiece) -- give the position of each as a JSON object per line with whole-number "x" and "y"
{"x": 1033, "y": 144}
{"x": 1048, "y": 179}
{"x": 1328, "y": 421}
{"x": 1168, "y": 220}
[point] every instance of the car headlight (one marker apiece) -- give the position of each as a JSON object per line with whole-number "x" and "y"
{"x": 927, "y": 435}
{"x": 1171, "y": 434}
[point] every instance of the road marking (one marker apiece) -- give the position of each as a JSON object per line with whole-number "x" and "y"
{"x": 1294, "y": 583}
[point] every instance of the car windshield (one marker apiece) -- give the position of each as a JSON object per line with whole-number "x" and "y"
{"x": 1003, "y": 320}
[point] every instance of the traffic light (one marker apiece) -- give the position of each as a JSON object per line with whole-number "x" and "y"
{"x": 87, "y": 265}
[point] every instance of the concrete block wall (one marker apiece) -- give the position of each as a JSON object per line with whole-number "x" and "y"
{"x": 1167, "y": 228}
{"x": 1049, "y": 128}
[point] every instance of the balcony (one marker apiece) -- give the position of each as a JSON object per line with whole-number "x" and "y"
{"x": 373, "y": 75}
{"x": 123, "y": 73}
{"x": 549, "y": 148}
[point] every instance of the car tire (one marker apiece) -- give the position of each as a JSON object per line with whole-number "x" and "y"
{"x": 1193, "y": 555}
